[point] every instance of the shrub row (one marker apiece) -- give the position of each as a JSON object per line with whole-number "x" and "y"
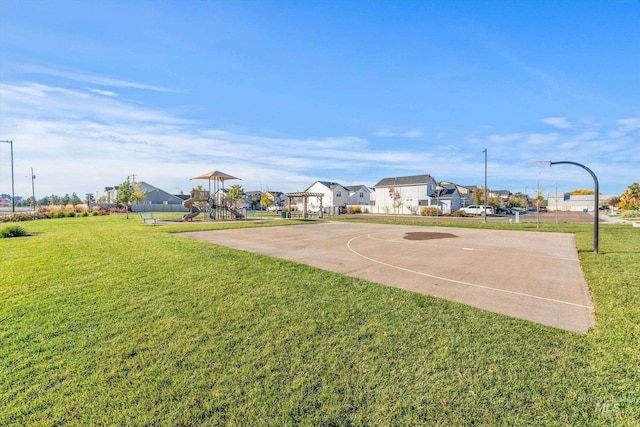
{"x": 49, "y": 212}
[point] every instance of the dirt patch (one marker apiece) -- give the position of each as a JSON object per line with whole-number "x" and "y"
{"x": 421, "y": 235}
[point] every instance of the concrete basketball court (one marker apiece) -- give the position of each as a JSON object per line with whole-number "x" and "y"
{"x": 529, "y": 275}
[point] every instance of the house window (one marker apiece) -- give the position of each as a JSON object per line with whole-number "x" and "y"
{"x": 338, "y": 193}
{"x": 362, "y": 194}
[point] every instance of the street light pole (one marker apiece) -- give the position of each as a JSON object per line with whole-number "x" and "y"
{"x": 486, "y": 200}
{"x": 596, "y": 201}
{"x": 33, "y": 189}
{"x": 13, "y": 193}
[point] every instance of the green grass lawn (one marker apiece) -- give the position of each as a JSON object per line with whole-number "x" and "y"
{"x": 105, "y": 321}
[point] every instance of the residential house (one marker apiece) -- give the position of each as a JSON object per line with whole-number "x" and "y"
{"x": 335, "y": 196}
{"x": 157, "y": 200}
{"x": 412, "y": 192}
{"x": 466, "y": 192}
{"x": 252, "y": 200}
{"x": 278, "y": 197}
{"x": 359, "y": 195}
{"x": 111, "y": 194}
{"x": 447, "y": 198}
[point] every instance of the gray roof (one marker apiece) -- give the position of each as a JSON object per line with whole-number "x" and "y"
{"x": 330, "y": 184}
{"x": 405, "y": 180}
{"x": 445, "y": 192}
{"x": 355, "y": 187}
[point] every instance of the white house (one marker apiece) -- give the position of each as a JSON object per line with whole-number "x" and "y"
{"x": 413, "y": 191}
{"x": 334, "y": 196}
{"x": 359, "y": 195}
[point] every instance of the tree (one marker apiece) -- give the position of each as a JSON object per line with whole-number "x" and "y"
{"x": 635, "y": 189}
{"x": 630, "y": 198}
{"x": 495, "y": 202}
{"x": 73, "y": 200}
{"x": 89, "y": 199}
{"x": 613, "y": 201}
{"x": 540, "y": 201}
{"x": 266, "y": 200}
{"x": 138, "y": 193}
{"x": 478, "y": 196}
{"x": 236, "y": 194}
{"x": 515, "y": 201}
{"x": 628, "y": 202}
{"x": 125, "y": 194}
{"x": 396, "y": 199}
{"x": 581, "y": 192}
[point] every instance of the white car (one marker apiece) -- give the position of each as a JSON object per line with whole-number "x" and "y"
{"x": 478, "y": 210}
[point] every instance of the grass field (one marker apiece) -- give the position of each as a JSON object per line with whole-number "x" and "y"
{"x": 105, "y": 321}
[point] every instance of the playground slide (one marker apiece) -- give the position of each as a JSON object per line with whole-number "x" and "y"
{"x": 194, "y": 209}
{"x": 237, "y": 214}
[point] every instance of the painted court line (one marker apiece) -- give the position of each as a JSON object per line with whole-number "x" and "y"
{"x": 474, "y": 285}
{"x": 435, "y": 245}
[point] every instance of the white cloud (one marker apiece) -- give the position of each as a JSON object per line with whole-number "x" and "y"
{"x": 557, "y": 122}
{"x": 103, "y": 92}
{"x": 90, "y": 78}
{"x": 83, "y": 141}
{"x": 412, "y": 133}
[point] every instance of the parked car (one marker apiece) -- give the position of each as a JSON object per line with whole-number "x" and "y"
{"x": 505, "y": 210}
{"x": 542, "y": 209}
{"x": 478, "y": 210}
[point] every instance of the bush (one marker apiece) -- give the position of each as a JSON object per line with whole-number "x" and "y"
{"x": 459, "y": 214}
{"x": 12, "y": 231}
{"x": 84, "y": 214}
{"x": 71, "y": 214}
{"x": 60, "y": 214}
{"x": 628, "y": 213}
{"x": 354, "y": 210}
{"x": 95, "y": 213}
{"x": 429, "y": 211}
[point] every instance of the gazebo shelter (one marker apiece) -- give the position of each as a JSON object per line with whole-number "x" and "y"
{"x": 304, "y": 197}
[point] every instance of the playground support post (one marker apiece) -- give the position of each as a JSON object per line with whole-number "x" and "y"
{"x": 596, "y": 201}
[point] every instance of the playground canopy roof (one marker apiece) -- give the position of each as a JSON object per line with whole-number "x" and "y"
{"x": 215, "y": 176}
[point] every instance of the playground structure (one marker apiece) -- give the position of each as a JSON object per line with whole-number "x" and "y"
{"x": 218, "y": 206}
{"x": 196, "y": 196}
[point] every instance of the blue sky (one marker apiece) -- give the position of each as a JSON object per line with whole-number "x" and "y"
{"x": 283, "y": 93}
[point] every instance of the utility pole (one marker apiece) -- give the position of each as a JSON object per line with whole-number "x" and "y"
{"x": 556, "y": 203}
{"x": 33, "y": 189}
{"x": 538, "y": 203}
{"x": 486, "y": 200}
